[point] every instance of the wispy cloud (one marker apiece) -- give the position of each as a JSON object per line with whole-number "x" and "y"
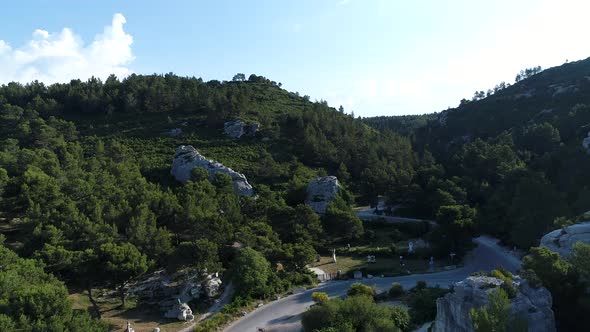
{"x": 344, "y": 2}
{"x": 62, "y": 56}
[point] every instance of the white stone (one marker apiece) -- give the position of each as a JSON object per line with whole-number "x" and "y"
{"x": 187, "y": 158}
{"x": 320, "y": 192}
{"x": 561, "y": 241}
{"x": 238, "y": 128}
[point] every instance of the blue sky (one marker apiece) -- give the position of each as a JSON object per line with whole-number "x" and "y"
{"x": 375, "y": 57}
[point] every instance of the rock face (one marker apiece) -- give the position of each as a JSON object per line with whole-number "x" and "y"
{"x": 320, "y": 192}
{"x": 561, "y": 241}
{"x": 452, "y": 310}
{"x": 238, "y": 128}
{"x": 181, "y": 311}
{"x": 586, "y": 143}
{"x": 166, "y": 290}
{"x": 187, "y": 158}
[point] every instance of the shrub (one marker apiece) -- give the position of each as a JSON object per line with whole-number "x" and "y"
{"x": 532, "y": 278}
{"x": 423, "y": 304}
{"x": 357, "y": 289}
{"x": 510, "y": 289}
{"x": 396, "y": 290}
{"x": 420, "y": 284}
{"x": 319, "y": 297}
{"x": 401, "y": 317}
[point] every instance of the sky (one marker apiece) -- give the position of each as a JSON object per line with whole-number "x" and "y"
{"x": 373, "y": 57}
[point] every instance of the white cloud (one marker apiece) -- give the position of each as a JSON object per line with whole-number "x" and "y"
{"x": 62, "y": 56}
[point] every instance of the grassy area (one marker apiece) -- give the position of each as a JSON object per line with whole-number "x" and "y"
{"x": 142, "y": 317}
{"x": 387, "y": 266}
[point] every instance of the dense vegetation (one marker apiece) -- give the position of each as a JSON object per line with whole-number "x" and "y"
{"x": 513, "y": 153}
{"x": 86, "y": 188}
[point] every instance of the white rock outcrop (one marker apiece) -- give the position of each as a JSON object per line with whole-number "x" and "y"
{"x": 238, "y": 128}
{"x": 181, "y": 311}
{"x": 166, "y": 290}
{"x": 187, "y": 158}
{"x": 561, "y": 241}
{"x": 320, "y": 192}
{"x": 531, "y": 304}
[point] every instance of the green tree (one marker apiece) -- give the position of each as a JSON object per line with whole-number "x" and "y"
{"x": 495, "y": 316}
{"x": 580, "y": 259}
{"x": 355, "y": 313}
{"x": 251, "y": 273}
{"x": 122, "y": 263}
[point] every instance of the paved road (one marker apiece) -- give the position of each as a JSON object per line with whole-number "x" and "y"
{"x": 283, "y": 315}
{"x": 367, "y": 213}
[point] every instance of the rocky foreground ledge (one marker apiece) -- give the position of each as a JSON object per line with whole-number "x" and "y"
{"x": 531, "y": 304}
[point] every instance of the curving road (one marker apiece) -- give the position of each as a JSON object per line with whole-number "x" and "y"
{"x": 284, "y": 314}
{"x": 368, "y": 213}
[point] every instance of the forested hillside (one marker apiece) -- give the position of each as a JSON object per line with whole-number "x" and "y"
{"x": 86, "y": 187}
{"x": 515, "y": 155}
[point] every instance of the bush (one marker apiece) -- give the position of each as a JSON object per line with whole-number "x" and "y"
{"x": 423, "y": 304}
{"x": 420, "y": 284}
{"x": 396, "y": 290}
{"x": 401, "y": 317}
{"x": 532, "y": 278}
{"x": 510, "y": 289}
{"x": 357, "y": 289}
{"x": 319, "y": 297}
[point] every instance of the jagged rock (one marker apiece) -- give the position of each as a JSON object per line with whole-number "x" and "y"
{"x": 212, "y": 286}
{"x": 180, "y": 311}
{"x": 561, "y": 241}
{"x": 187, "y": 158}
{"x": 238, "y": 128}
{"x": 320, "y": 192}
{"x": 166, "y": 290}
{"x": 586, "y": 143}
{"x": 533, "y": 305}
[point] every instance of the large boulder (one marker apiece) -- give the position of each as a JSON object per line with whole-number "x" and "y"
{"x": 562, "y": 240}
{"x": 187, "y": 158}
{"x": 532, "y": 304}
{"x": 238, "y": 128}
{"x": 320, "y": 192}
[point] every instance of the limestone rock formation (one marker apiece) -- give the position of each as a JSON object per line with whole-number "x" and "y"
{"x": 187, "y": 158}
{"x": 166, "y": 290}
{"x": 320, "y": 192}
{"x": 561, "y": 241}
{"x": 532, "y": 304}
{"x": 238, "y": 128}
{"x": 586, "y": 143}
{"x": 181, "y": 311}
{"x": 212, "y": 286}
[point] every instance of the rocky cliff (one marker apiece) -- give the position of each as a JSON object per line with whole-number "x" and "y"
{"x": 561, "y": 241}
{"x": 532, "y": 304}
{"x": 320, "y": 192}
{"x": 187, "y": 158}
